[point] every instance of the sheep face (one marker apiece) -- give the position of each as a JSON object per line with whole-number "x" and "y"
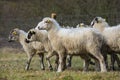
{"x": 97, "y": 20}
{"x": 14, "y": 35}
{"x": 45, "y": 24}
{"x": 31, "y": 36}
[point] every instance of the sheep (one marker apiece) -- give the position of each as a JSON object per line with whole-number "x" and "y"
{"x": 112, "y": 36}
{"x": 42, "y": 36}
{"x": 37, "y": 37}
{"x": 73, "y": 41}
{"x": 31, "y": 49}
{"x": 69, "y": 57}
{"x": 81, "y": 25}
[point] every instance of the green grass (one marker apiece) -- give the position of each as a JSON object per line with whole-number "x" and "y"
{"x": 12, "y": 63}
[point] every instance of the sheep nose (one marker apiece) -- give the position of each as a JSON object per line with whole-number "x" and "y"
{"x": 27, "y": 41}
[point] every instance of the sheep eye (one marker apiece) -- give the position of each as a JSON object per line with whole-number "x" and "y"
{"x": 46, "y": 22}
{"x": 33, "y": 32}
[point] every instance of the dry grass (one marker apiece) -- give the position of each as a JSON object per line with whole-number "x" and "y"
{"x": 12, "y": 68}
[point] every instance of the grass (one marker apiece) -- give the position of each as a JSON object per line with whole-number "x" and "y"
{"x": 12, "y": 63}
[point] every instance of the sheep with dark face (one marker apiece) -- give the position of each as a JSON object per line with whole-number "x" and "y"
{"x": 112, "y": 37}
{"x": 73, "y": 41}
{"x": 31, "y": 49}
{"x": 42, "y": 36}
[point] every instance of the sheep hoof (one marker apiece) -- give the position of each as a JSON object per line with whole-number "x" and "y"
{"x": 103, "y": 70}
{"x": 42, "y": 68}
{"x": 59, "y": 70}
{"x": 26, "y": 69}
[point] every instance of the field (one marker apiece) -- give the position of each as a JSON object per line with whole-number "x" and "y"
{"x": 12, "y": 63}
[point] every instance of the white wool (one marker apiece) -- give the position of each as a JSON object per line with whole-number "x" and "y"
{"x": 111, "y": 33}
{"x": 74, "y": 40}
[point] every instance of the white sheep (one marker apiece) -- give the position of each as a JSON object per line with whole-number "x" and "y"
{"x": 30, "y": 48}
{"x": 38, "y": 36}
{"x": 73, "y": 41}
{"x": 42, "y": 36}
{"x": 112, "y": 36}
{"x": 69, "y": 57}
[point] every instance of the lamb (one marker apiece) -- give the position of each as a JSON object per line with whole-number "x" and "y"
{"x": 42, "y": 36}
{"x": 112, "y": 36}
{"x": 31, "y": 49}
{"x": 73, "y": 41}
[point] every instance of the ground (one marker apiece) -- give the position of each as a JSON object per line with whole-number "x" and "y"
{"x": 12, "y": 63}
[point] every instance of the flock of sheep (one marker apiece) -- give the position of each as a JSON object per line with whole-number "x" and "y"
{"x": 88, "y": 42}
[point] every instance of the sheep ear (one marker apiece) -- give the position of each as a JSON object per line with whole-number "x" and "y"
{"x": 33, "y": 32}
{"x": 48, "y": 21}
{"x": 14, "y": 32}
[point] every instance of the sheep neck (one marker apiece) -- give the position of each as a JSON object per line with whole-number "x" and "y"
{"x": 101, "y": 26}
{"x": 43, "y": 37}
{"x": 55, "y": 28}
{"x": 47, "y": 45}
{"x": 22, "y": 36}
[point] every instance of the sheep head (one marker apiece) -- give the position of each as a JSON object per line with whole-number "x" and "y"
{"x": 47, "y": 24}
{"x": 99, "y": 23}
{"x": 30, "y": 35}
{"x": 97, "y": 20}
{"x": 14, "y": 35}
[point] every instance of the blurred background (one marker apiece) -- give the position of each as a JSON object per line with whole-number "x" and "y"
{"x": 26, "y": 14}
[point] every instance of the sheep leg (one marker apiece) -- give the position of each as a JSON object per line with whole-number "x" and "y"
{"x": 97, "y": 65}
{"x": 117, "y": 60}
{"x": 42, "y": 61}
{"x": 62, "y": 62}
{"x": 112, "y": 62}
{"x": 114, "y": 58}
{"x": 98, "y": 55}
{"x": 69, "y": 58}
{"x": 28, "y": 62}
{"x": 86, "y": 63}
{"x": 105, "y": 59}
{"x": 57, "y": 62}
{"x": 48, "y": 60}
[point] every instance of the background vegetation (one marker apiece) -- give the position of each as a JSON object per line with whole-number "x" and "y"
{"x": 26, "y": 14}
